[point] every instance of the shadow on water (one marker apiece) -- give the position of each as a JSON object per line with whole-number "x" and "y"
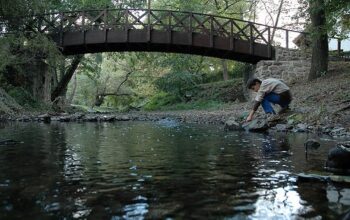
{"x": 138, "y": 170}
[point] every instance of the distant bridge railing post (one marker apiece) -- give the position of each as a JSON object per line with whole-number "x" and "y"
{"x": 126, "y": 25}
{"x": 211, "y": 31}
{"x": 251, "y": 49}
{"x": 231, "y": 35}
{"x": 190, "y": 29}
{"x": 61, "y": 17}
{"x": 149, "y": 25}
{"x": 269, "y": 46}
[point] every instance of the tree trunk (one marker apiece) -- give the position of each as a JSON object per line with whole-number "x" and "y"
{"x": 319, "y": 60}
{"x": 62, "y": 85}
{"x": 224, "y": 69}
{"x": 277, "y": 19}
{"x": 40, "y": 81}
{"x": 70, "y": 99}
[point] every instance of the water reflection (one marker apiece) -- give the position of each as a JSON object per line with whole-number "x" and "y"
{"x": 143, "y": 170}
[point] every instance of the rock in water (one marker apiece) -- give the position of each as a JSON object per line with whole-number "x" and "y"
{"x": 8, "y": 142}
{"x": 168, "y": 123}
{"x": 339, "y": 157}
{"x": 232, "y": 125}
{"x": 256, "y": 125}
{"x": 45, "y": 118}
{"x": 311, "y": 144}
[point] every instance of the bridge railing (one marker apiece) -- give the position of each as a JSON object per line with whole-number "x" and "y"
{"x": 165, "y": 20}
{"x": 162, "y": 20}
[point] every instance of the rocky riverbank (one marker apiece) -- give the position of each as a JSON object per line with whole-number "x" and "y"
{"x": 281, "y": 123}
{"x": 321, "y": 106}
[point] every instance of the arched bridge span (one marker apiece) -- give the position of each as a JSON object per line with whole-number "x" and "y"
{"x": 92, "y": 31}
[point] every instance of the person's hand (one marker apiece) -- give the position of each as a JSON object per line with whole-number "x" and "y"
{"x": 249, "y": 118}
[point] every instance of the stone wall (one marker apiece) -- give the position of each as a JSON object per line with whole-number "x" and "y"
{"x": 290, "y": 65}
{"x": 284, "y": 54}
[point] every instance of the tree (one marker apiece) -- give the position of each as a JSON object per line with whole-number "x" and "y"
{"x": 324, "y": 19}
{"x": 319, "y": 60}
{"x": 62, "y": 85}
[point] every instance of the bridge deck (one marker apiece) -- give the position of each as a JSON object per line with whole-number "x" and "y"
{"x": 92, "y": 31}
{"x": 162, "y": 41}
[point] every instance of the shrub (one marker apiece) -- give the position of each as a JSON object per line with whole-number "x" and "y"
{"x": 178, "y": 83}
{"x": 23, "y": 97}
{"x": 159, "y": 100}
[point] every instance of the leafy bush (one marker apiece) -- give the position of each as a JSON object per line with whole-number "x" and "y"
{"x": 159, "y": 100}
{"x": 23, "y": 98}
{"x": 241, "y": 69}
{"x": 120, "y": 103}
{"x": 178, "y": 83}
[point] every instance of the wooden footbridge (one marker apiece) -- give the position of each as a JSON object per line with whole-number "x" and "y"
{"x": 92, "y": 31}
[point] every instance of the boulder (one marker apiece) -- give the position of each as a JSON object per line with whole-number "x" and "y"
{"x": 232, "y": 125}
{"x": 256, "y": 125}
{"x": 311, "y": 144}
{"x": 282, "y": 127}
{"x": 45, "y": 118}
{"x": 301, "y": 127}
{"x": 339, "y": 157}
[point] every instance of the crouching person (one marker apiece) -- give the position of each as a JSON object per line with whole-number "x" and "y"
{"x": 269, "y": 91}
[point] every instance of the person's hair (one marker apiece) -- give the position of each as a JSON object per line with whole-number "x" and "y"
{"x": 252, "y": 82}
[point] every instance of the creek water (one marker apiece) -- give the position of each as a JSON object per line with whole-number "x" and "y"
{"x": 161, "y": 170}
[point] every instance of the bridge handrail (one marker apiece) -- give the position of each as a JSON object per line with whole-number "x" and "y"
{"x": 258, "y": 35}
{"x": 222, "y": 27}
{"x": 162, "y": 10}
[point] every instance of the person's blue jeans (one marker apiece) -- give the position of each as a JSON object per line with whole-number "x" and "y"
{"x": 272, "y": 98}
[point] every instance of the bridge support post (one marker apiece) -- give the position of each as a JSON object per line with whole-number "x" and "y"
{"x": 83, "y": 28}
{"x": 169, "y": 29}
{"x": 149, "y": 23}
{"x": 126, "y": 25}
{"x": 211, "y": 32}
{"x": 105, "y": 17}
{"x": 268, "y": 42}
{"x": 232, "y": 39}
{"x": 251, "y": 47}
{"x": 190, "y": 35}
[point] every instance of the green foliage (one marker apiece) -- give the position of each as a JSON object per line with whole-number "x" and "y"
{"x": 120, "y": 103}
{"x": 85, "y": 91}
{"x": 159, "y": 100}
{"x": 176, "y": 75}
{"x": 232, "y": 9}
{"x": 19, "y": 52}
{"x": 211, "y": 96}
{"x": 178, "y": 83}
{"x": 197, "y": 105}
{"x": 337, "y": 21}
{"x": 91, "y": 66}
{"x": 23, "y": 98}
{"x": 241, "y": 69}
